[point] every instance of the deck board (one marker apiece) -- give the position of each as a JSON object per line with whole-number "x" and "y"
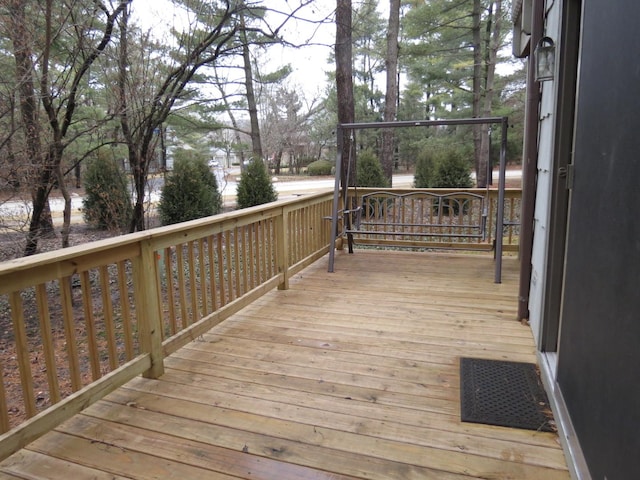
{"x": 347, "y": 375}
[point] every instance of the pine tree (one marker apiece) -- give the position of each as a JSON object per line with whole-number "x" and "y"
{"x": 255, "y": 187}
{"x": 107, "y": 203}
{"x": 370, "y": 172}
{"x": 190, "y": 192}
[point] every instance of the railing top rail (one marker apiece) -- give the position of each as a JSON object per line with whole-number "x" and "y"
{"x": 424, "y": 123}
{"x": 402, "y": 190}
{"x": 420, "y": 193}
{"x": 156, "y": 236}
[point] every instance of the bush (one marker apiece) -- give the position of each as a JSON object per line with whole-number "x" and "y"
{"x": 189, "y": 192}
{"x": 319, "y": 167}
{"x": 423, "y": 177}
{"x": 255, "y": 187}
{"x": 107, "y": 202}
{"x": 369, "y": 172}
{"x": 452, "y": 170}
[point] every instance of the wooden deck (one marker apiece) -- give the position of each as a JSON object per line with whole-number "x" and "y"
{"x": 346, "y": 375}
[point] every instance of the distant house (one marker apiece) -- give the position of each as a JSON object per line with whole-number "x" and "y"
{"x": 581, "y": 269}
{"x": 223, "y": 157}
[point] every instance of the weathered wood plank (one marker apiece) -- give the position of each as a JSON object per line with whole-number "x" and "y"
{"x": 192, "y": 450}
{"x": 29, "y": 464}
{"x": 296, "y": 451}
{"x": 343, "y": 376}
{"x": 268, "y": 414}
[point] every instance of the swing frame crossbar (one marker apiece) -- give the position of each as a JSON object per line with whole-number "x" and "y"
{"x": 341, "y": 189}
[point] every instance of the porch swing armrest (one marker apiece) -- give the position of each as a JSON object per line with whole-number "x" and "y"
{"x": 358, "y": 216}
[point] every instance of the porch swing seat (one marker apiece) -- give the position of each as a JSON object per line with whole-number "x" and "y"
{"x": 418, "y": 218}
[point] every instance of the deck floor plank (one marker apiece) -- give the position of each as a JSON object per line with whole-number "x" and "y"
{"x": 349, "y": 375}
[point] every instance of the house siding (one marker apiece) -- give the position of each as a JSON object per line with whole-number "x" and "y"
{"x": 596, "y": 374}
{"x": 545, "y": 163}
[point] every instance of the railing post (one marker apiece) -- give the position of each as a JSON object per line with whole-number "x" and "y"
{"x": 148, "y": 312}
{"x": 282, "y": 232}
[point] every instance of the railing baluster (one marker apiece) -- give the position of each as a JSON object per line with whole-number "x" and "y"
{"x": 229, "y": 261}
{"x": 246, "y": 259}
{"x": 22, "y": 353}
{"x": 87, "y": 303}
{"x": 125, "y": 311}
{"x": 221, "y": 263}
{"x": 171, "y": 294}
{"x": 48, "y": 346}
{"x": 258, "y": 253}
{"x": 236, "y": 261}
{"x": 263, "y": 250}
{"x": 251, "y": 254}
{"x": 4, "y": 407}
{"x": 212, "y": 272}
{"x": 193, "y": 284}
{"x": 203, "y": 277}
{"x": 70, "y": 334}
{"x": 184, "y": 315}
{"x": 158, "y": 259}
{"x": 107, "y": 312}
{"x": 282, "y": 245}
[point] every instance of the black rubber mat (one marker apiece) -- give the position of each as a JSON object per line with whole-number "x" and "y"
{"x": 509, "y": 394}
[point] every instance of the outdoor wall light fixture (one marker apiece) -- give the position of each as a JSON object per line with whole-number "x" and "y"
{"x": 545, "y": 56}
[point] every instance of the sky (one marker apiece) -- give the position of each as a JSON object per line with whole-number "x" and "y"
{"x": 309, "y": 63}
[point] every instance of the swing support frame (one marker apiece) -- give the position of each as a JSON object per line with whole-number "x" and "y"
{"x": 340, "y": 188}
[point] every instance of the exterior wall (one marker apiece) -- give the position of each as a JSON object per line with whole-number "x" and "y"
{"x": 544, "y": 181}
{"x": 598, "y": 354}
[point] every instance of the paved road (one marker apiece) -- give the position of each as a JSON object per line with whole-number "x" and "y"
{"x": 14, "y": 212}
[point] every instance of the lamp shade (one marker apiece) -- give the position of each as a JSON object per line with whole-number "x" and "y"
{"x": 545, "y": 57}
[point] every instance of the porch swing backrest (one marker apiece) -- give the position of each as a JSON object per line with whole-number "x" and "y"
{"x": 425, "y": 214}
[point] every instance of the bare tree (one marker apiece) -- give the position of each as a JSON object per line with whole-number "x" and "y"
{"x": 216, "y": 33}
{"x": 141, "y": 120}
{"x": 54, "y": 90}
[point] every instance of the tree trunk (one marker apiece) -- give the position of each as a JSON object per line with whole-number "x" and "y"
{"x": 477, "y": 92}
{"x": 256, "y": 142}
{"x": 137, "y": 163}
{"x": 344, "y": 86}
{"x": 277, "y": 162}
{"x": 66, "y": 216}
{"x": 488, "y": 96}
{"x": 390, "y": 105}
{"x": 40, "y": 173}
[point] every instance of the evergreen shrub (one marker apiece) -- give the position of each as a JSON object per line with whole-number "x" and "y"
{"x": 423, "y": 177}
{"x": 369, "y": 171}
{"x": 452, "y": 170}
{"x": 319, "y": 167}
{"x": 255, "y": 186}
{"x": 107, "y": 202}
{"x": 189, "y": 192}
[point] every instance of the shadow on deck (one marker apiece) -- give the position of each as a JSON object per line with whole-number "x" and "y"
{"x": 352, "y": 374}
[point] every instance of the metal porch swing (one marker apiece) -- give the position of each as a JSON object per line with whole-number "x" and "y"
{"x": 363, "y": 218}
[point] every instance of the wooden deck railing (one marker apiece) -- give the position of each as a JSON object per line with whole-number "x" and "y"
{"x": 416, "y": 218}
{"x": 75, "y": 324}
{"x": 78, "y": 323}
